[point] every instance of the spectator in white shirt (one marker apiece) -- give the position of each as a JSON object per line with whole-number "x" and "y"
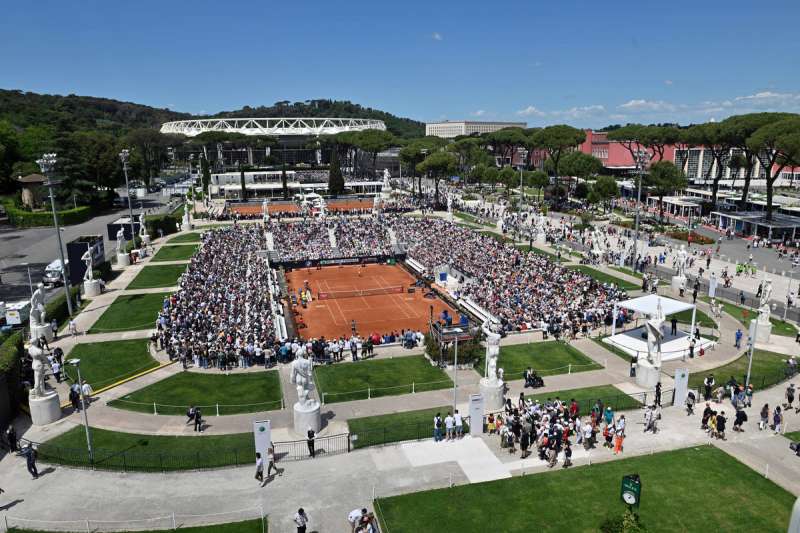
{"x": 449, "y": 423}
{"x": 355, "y": 517}
{"x": 459, "y": 424}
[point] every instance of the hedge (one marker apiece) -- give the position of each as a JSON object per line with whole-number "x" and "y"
{"x": 11, "y": 370}
{"x": 27, "y": 219}
{"x": 57, "y": 307}
{"x": 166, "y": 223}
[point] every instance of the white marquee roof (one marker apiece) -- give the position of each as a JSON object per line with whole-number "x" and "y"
{"x": 284, "y": 126}
{"x": 647, "y": 305}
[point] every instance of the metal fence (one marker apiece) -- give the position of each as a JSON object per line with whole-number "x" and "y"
{"x": 380, "y": 436}
{"x": 134, "y": 461}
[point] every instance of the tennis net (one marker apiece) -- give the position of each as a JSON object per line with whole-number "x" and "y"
{"x": 331, "y": 295}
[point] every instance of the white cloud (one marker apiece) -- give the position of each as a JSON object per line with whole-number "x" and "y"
{"x": 478, "y": 113}
{"x": 667, "y": 82}
{"x": 531, "y": 111}
{"x": 769, "y": 98}
{"x": 437, "y": 36}
{"x": 641, "y": 105}
{"x": 617, "y": 116}
{"x": 580, "y": 111}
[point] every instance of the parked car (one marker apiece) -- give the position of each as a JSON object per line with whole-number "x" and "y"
{"x": 52, "y": 273}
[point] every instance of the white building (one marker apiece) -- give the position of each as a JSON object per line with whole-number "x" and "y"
{"x": 449, "y": 129}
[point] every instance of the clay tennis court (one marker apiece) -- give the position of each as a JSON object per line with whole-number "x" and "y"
{"x": 349, "y": 205}
{"x": 272, "y": 208}
{"x": 379, "y": 313}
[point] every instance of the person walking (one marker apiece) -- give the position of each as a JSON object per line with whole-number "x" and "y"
{"x": 54, "y": 327}
{"x": 674, "y": 328}
{"x": 301, "y": 520}
{"x": 56, "y": 370}
{"x": 790, "y": 390}
{"x": 30, "y": 460}
{"x": 310, "y": 436}
{"x": 271, "y": 460}
{"x": 73, "y": 328}
{"x": 764, "y": 422}
{"x": 708, "y": 385}
{"x": 777, "y": 419}
{"x": 738, "y": 341}
{"x": 619, "y": 434}
{"x": 198, "y": 421}
{"x": 658, "y": 393}
{"x": 259, "y": 469}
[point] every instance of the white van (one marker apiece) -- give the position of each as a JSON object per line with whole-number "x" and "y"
{"x": 52, "y": 273}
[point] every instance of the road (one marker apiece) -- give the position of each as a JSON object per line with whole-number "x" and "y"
{"x": 38, "y": 247}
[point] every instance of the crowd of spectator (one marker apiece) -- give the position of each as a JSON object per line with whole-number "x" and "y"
{"x": 221, "y": 315}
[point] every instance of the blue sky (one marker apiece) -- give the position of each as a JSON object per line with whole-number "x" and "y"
{"x": 583, "y": 63}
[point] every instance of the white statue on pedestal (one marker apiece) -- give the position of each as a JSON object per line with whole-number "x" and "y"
{"x": 303, "y": 379}
{"x": 764, "y": 308}
{"x": 376, "y": 204}
{"x": 597, "y": 245}
{"x": 712, "y": 285}
{"x": 492, "y": 353}
{"x": 142, "y": 227}
{"x": 680, "y": 263}
{"x": 87, "y": 260}
{"x": 386, "y": 185}
{"x": 39, "y": 365}
{"x": 654, "y": 336}
{"x": 37, "y": 313}
{"x": 121, "y": 242}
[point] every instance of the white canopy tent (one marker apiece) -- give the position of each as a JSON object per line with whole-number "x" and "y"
{"x": 647, "y": 305}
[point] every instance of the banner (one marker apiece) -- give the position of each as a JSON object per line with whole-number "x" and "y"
{"x": 262, "y": 433}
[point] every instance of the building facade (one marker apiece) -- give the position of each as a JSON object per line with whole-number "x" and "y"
{"x": 449, "y": 129}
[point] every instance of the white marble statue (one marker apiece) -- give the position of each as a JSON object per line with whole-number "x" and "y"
{"x": 323, "y": 208}
{"x": 450, "y": 203}
{"x": 492, "y": 353}
{"x": 764, "y": 308}
{"x": 37, "y": 316}
{"x": 680, "y": 263}
{"x": 386, "y": 185}
{"x": 712, "y": 285}
{"x": 142, "y": 227}
{"x": 655, "y": 335}
{"x": 303, "y": 379}
{"x": 87, "y": 260}
{"x": 39, "y": 364}
{"x": 121, "y": 242}
{"x": 597, "y": 244}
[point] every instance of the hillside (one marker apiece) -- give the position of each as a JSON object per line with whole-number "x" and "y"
{"x": 402, "y": 127}
{"x": 75, "y": 113}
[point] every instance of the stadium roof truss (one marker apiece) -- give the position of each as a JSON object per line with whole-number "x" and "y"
{"x": 272, "y": 126}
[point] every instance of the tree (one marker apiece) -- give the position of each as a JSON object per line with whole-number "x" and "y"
{"x": 557, "y": 140}
{"x": 151, "y": 146}
{"x": 629, "y": 137}
{"x": 737, "y": 130}
{"x": 711, "y": 137}
{"x": 664, "y": 179}
{"x": 335, "y": 178}
{"x": 373, "y": 142}
{"x": 205, "y": 175}
{"x": 9, "y": 154}
{"x": 477, "y": 172}
{"x": 582, "y": 166}
{"x": 414, "y": 152}
{"x": 540, "y": 180}
{"x": 506, "y": 142}
{"x": 606, "y": 188}
{"x": 776, "y": 145}
{"x": 657, "y": 138}
{"x": 508, "y": 177}
{"x": 581, "y": 190}
{"x": 438, "y": 165}
{"x": 491, "y": 176}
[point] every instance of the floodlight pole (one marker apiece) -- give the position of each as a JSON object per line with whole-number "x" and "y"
{"x": 640, "y": 158}
{"x": 752, "y": 342}
{"x": 77, "y": 364}
{"x": 47, "y": 163}
{"x": 123, "y": 156}
{"x": 455, "y": 374}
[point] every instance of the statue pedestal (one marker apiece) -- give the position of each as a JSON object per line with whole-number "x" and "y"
{"x": 647, "y": 375}
{"x": 186, "y": 224}
{"x": 677, "y": 283}
{"x": 145, "y": 239}
{"x": 91, "y": 288}
{"x": 45, "y": 409}
{"x": 123, "y": 260}
{"x": 492, "y": 395}
{"x": 763, "y": 331}
{"x": 307, "y": 416}
{"x": 42, "y": 331}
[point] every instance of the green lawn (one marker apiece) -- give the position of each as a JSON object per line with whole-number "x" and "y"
{"x": 745, "y": 315}
{"x": 174, "y": 253}
{"x": 768, "y": 369}
{"x": 235, "y": 393}
{"x": 676, "y": 487}
{"x": 157, "y": 276}
{"x": 538, "y": 251}
{"x": 467, "y": 217}
{"x": 132, "y": 451}
{"x": 587, "y": 396}
{"x": 496, "y": 236}
{"x": 105, "y": 363}
{"x": 130, "y": 312}
{"x": 602, "y": 277}
{"x": 246, "y": 526}
{"x": 193, "y": 236}
{"x": 627, "y": 271}
{"x": 383, "y": 377}
{"x": 397, "y": 427}
{"x": 547, "y": 358}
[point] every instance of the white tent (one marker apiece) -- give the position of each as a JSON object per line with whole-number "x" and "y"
{"x": 647, "y": 305}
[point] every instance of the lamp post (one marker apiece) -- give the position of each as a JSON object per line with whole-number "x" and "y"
{"x": 640, "y": 157}
{"x": 48, "y": 163}
{"x": 77, "y": 364}
{"x": 124, "y": 155}
{"x": 30, "y": 282}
